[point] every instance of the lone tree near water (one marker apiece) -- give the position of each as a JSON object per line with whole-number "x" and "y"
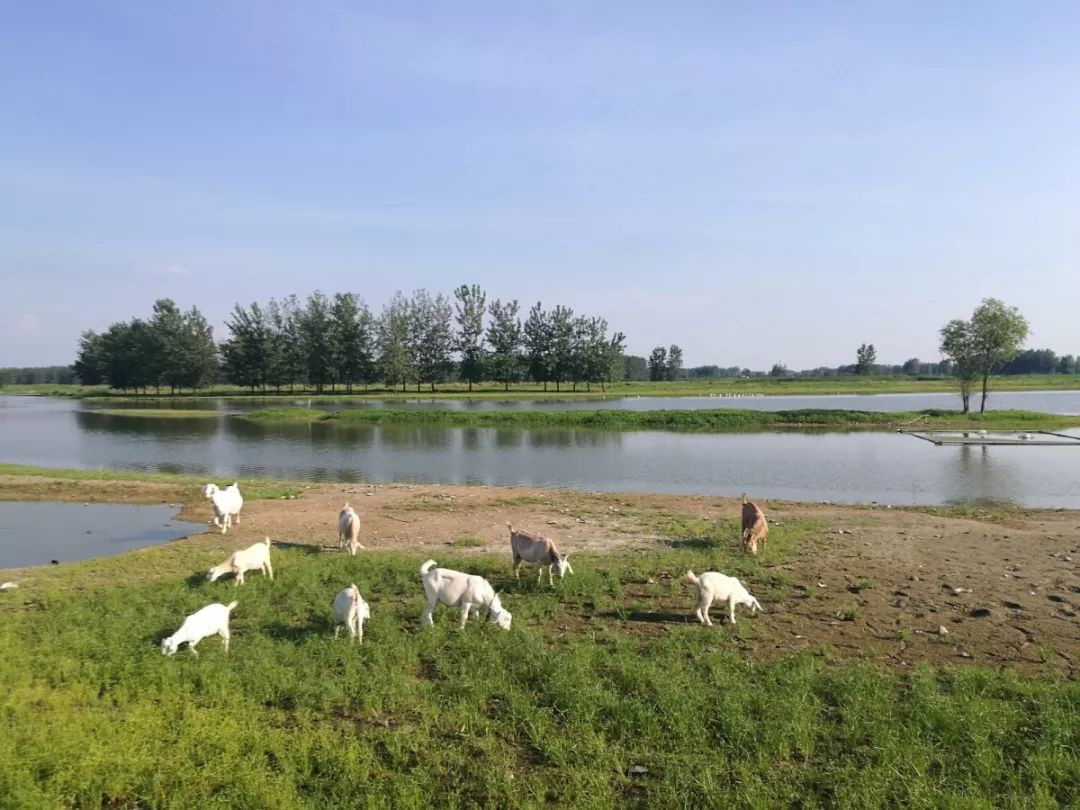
{"x": 865, "y": 357}
{"x": 980, "y": 347}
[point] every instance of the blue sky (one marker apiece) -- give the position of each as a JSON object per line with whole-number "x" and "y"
{"x": 757, "y": 182}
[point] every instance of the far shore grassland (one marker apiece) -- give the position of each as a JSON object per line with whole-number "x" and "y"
{"x": 704, "y": 420}
{"x": 604, "y": 693}
{"x": 764, "y": 386}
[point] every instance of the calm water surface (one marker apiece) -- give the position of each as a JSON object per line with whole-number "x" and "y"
{"x": 841, "y": 467}
{"x": 33, "y": 533}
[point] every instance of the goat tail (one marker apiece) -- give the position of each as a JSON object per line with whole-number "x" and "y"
{"x": 354, "y": 589}
{"x": 267, "y": 541}
{"x": 744, "y": 498}
{"x": 510, "y": 526}
{"x": 691, "y": 577}
{"x": 229, "y": 607}
{"x": 426, "y": 567}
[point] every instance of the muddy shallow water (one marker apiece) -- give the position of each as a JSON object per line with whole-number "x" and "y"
{"x": 38, "y": 532}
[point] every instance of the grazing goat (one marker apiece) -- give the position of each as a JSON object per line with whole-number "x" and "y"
{"x": 532, "y": 548}
{"x": 348, "y": 529}
{"x": 350, "y": 610}
{"x": 466, "y": 590}
{"x": 755, "y": 528}
{"x": 227, "y": 504}
{"x": 7, "y": 586}
{"x": 252, "y": 558}
{"x": 713, "y": 585}
{"x": 212, "y": 620}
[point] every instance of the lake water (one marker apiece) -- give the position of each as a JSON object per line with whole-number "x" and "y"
{"x": 854, "y": 467}
{"x": 34, "y": 533}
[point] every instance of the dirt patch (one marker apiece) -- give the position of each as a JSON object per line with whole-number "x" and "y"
{"x": 896, "y": 586}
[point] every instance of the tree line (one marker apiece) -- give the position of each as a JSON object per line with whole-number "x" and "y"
{"x": 38, "y": 375}
{"x": 329, "y": 341}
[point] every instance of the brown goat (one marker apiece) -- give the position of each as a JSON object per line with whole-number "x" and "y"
{"x": 755, "y": 528}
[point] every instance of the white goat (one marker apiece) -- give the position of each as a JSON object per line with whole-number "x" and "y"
{"x": 466, "y": 590}
{"x": 252, "y": 558}
{"x": 350, "y": 610}
{"x": 212, "y": 620}
{"x": 349, "y": 529}
{"x": 713, "y": 585}
{"x": 533, "y": 548}
{"x": 227, "y": 504}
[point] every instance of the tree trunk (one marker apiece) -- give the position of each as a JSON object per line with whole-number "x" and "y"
{"x": 985, "y": 384}
{"x": 470, "y": 386}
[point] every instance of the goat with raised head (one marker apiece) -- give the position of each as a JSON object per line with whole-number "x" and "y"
{"x": 466, "y": 591}
{"x": 227, "y": 504}
{"x": 755, "y": 528}
{"x": 534, "y": 548}
{"x": 252, "y": 558}
{"x": 714, "y": 586}
{"x": 349, "y": 529}
{"x": 212, "y": 620}
{"x": 350, "y": 610}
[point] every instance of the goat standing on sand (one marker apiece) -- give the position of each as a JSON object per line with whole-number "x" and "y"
{"x": 212, "y": 620}
{"x": 350, "y": 610}
{"x": 755, "y": 528}
{"x": 465, "y": 590}
{"x": 714, "y": 586}
{"x": 349, "y": 529}
{"x": 227, "y": 504}
{"x": 252, "y": 558}
{"x": 532, "y": 548}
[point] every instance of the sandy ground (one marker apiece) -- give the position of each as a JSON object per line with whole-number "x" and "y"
{"x": 991, "y": 588}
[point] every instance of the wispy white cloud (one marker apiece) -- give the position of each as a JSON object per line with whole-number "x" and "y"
{"x": 27, "y": 325}
{"x": 170, "y": 270}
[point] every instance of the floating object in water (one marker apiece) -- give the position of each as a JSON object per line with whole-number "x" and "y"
{"x": 996, "y": 437}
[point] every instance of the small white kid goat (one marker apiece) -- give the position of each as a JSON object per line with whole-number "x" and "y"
{"x": 212, "y": 620}
{"x": 468, "y": 591}
{"x": 714, "y": 586}
{"x": 349, "y": 530}
{"x": 350, "y": 610}
{"x": 252, "y": 558}
{"x": 227, "y": 504}
{"x": 533, "y": 548}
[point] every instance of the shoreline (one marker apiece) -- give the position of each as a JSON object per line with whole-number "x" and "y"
{"x": 826, "y": 562}
{"x": 756, "y": 386}
{"x": 890, "y": 638}
{"x": 715, "y": 420}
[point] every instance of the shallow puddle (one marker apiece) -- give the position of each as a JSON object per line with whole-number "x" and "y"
{"x": 36, "y": 533}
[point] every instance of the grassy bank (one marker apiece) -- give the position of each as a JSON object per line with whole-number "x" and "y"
{"x": 711, "y": 421}
{"x": 766, "y": 386}
{"x": 178, "y": 485}
{"x": 159, "y": 413}
{"x": 572, "y": 707}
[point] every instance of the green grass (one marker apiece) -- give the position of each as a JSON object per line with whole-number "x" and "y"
{"x": 254, "y": 488}
{"x": 711, "y": 420}
{"x": 467, "y": 542}
{"x": 604, "y": 672}
{"x": 758, "y": 385}
{"x": 158, "y": 413}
